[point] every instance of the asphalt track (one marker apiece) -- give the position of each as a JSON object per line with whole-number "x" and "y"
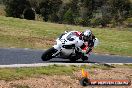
{"x": 10, "y": 56}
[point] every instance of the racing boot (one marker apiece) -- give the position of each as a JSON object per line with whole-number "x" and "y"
{"x": 84, "y": 56}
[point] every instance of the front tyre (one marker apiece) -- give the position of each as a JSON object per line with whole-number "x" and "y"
{"x": 47, "y": 55}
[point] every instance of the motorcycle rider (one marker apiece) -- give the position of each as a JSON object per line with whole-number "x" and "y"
{"x": 87, "y": 40}
{"x": 73, "y": 45}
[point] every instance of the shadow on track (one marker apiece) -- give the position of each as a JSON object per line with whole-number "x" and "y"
{"x": 72, "y": 62}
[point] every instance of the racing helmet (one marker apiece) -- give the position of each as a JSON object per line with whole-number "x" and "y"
{"x": 86, "y": 34}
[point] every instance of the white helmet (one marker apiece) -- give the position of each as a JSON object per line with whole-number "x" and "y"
{"x": 86, "y": 34}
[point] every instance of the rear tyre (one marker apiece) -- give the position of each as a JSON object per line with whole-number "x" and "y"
{"x": 73, "y": 59}
{"x": 47, "y": 55}
{"x": 84, "y": 58}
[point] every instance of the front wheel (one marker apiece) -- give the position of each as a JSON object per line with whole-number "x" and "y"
{"x": 47, "y": 55}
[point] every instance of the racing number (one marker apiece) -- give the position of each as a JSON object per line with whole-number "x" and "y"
{"x": 63, "y": 41}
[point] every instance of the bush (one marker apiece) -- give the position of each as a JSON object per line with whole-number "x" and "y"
{"x": 128, "y": 22}
{"x": 78, "y": 21}
{"x": 82, "y": 21}
{"x": 68, "y": 17}
{"x": 15, "y": 8}
{"x": 29, "y": 14}
{"x": 49, "y": 7}
{"x": 99, "y": 22}
{"x": 54, "y": 18}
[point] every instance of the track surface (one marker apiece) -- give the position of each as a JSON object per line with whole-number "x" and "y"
{"x": 10, "y": 56}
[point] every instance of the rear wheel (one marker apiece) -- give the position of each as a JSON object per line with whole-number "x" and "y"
{"x": 47, "y": 55}
{"x": 76, "y": 57}
{"x": 73, "y": 59}
{"x": 84, "y": 58}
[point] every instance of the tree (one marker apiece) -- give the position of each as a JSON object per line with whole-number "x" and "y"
{"x": 1, "y": 1}
{"x": 49, "y": 7}
{"x": 74, "y": 6}
{"x": 87, "y": 8}
{"x": 29, "y": 14}
{"x": 15, "y": 8}
{"x": 35, "y": 4}
{"x": 56, "y": 4}
{"x": 119, "y": 10}
{"x": 68, "y": 17}
{"x": 86, "y": 11}
{"x": 63, "y": 9}
{"x": 130, "y": 10}
{"x": 45, "y": 9}
{"x": 54, "y": 17}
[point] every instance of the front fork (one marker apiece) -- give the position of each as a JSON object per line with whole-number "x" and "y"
{"x": 58, "y": 49}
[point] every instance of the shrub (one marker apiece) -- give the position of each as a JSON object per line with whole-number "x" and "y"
{"x": 29, "y": 14}
{"x": 82, "y": 21}
{"x": 128, "y": 22}
{"x": 99, "y": 22}
{"x": 68, "y": 17}
{"x": 54, "y": 18}
{"x": 15, "y": 8}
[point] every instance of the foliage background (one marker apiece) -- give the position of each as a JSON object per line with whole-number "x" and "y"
{"x": 102, "y": 13}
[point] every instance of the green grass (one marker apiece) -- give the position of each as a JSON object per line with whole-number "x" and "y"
{"x": 22, "y": 33}
{"x": 9, "y": 74}
{"x": 101, "y": 66}
{"x": 128, "y": 65}
{"x": 21, "y": 73}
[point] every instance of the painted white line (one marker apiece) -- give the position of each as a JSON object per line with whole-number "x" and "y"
{"x": 117, "y": 63}
{"x": 47, "y": 64}
{"x": 41, "y": 64}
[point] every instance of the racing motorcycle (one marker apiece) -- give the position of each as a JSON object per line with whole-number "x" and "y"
{"x": 66, "y": 47}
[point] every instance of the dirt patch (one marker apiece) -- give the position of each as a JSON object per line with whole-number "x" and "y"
{"x": 62, "y": 81}
{"x": 44, "y": 82}
{"x": 39, "y": 42}
{"x": 116, "y": 73}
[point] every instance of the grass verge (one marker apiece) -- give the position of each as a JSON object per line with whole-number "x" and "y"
{"x": 21, "y": 73}
{"x": 20, "y": 33}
